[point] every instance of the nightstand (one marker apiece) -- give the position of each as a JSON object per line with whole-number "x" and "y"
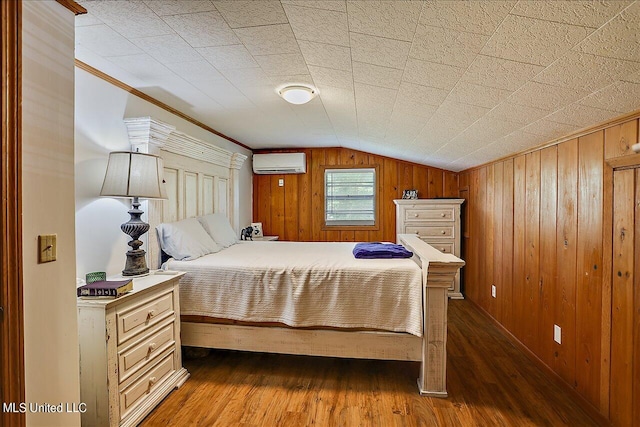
{"x": 262, "y": 239}
{"x": 130, "y": 355}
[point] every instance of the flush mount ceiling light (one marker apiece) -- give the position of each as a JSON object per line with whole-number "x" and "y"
{"x": 297, "y": 94}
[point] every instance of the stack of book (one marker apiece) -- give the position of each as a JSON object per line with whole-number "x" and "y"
{"x": 106, "y": 288}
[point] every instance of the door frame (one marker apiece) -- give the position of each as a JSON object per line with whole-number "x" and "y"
{"x": 12, "y": 378}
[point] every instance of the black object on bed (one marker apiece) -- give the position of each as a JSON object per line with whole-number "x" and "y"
{"x": 380, "y": 250}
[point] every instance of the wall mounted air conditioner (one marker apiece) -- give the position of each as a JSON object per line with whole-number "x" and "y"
{"x": 279, "y": 163}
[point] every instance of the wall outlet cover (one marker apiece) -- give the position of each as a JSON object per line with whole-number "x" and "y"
{"x": 557, "y": 334}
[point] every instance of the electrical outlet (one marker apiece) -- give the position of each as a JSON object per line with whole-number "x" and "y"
{"x": 493, "y": 291}
{"x": 557, "y": 334}
{"x": 281, "y": 182}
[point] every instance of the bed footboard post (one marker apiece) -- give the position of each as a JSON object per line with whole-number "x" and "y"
{"x": 438, "y": 274}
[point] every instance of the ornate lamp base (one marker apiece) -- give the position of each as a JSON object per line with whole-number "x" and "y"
{"x": 136, "y": 263}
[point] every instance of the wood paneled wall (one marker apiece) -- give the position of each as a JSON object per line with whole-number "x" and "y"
{"x": 294, "y": 211}
{"x": 540, "y": 231}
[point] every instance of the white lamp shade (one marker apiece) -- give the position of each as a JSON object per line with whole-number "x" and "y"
{"x": 297, "y": 94}
{"x": 134, "y": 175}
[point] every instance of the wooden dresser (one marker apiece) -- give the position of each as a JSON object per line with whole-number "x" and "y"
{"x": 130, "y": 355}
{"x": 437, "y": 222}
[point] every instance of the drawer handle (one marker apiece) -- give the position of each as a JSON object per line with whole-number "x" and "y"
{"x": 416, "y": 215}
{"x": 442, "y": 232}
{"x": 442, "y": 215}
{"x": 417, "y": 232}
{"x": 152, "y": 347}
{"x": 441, "y": 249}
{"x": 152, "y": 313}
{"x": 152, "y": 381}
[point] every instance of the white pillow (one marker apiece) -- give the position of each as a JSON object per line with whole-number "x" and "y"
{"x": 218, "y": 227}
{"x": 186, "y": 240}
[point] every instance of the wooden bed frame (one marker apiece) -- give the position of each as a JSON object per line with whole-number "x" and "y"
{"x": 201, "y": 179}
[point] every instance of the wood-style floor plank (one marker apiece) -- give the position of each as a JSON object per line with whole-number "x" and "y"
{"x": 490, "y": 382}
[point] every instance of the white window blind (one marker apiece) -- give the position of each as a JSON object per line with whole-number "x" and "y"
{"x": 350, "y": 196}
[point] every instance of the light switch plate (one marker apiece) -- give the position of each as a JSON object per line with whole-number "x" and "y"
{"x": 557, "y": 334}
{"x": 280, "y": 182}
{"x": 47, "y": 247}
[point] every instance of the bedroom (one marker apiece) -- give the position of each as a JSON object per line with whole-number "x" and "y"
{"x": 590, "y": 115}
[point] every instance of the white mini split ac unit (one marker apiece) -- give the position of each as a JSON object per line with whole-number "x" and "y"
{"x": 279, "y": 163}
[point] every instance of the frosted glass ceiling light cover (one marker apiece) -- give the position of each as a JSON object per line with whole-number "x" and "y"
{"x": 297, "y": 94}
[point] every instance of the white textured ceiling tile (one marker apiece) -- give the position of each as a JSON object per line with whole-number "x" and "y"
{"x": 486, "y": 130}
{"x": 539, "y": 95}
{"x": 374, "y": 99}
{"x": 481, "y": 17}
{"x": 414, "y": 108}
{"x": 391, "y": 19}
{"x": 335, "y": 5}
{"x": 331, "y": 77}
{"x": 168, "y": 49}
{"x": 268, "y": 39}
{"x": 203, "y": 29}
{"x": 379, "y": 50}
{"x": 228, "y": 96}
{"x": 321, "y": 26}
{"x": 446, "y": 46}
{"x": 404, "y": 127}
{"x": 584, "y": 13}
{"x": 522, "y": 114}
{"x": 619, "y": 38}
{"x": 247, "y": 77}
{"x": 587, "y": 72}
{"x": 264, "y": 97}
{"x": 286, "y": 63}
{"x": 176, "y": 7}
{"x": 326, "y": 55}
{"x": 103, "y": 41}
{"x": 499, "y": 73}
{"x": 196, "y": 71}
{"x": 483, "y": 96}
{"x": 533, "y": 41}
{"x": 432, "y": 74}
{"x": 581, "y": 115}
{"x": 549, "y": 129}
{"x": 141, "y": 66}
{"x": 376, "y": 76}
{"x": 421, "y": 94}
{"x": 86, "y": 19}
{"x": 240, "y": 13}
{"x": 623, "y": 97}
{"x": 278, "y": 80}
{"x": 228, "y": 57}
{"x": 130, "y": 18}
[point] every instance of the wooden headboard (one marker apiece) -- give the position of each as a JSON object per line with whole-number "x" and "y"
{"x": 200, "y": 177}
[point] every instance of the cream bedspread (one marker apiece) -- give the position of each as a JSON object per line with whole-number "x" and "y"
{"x": 303, "y": 284}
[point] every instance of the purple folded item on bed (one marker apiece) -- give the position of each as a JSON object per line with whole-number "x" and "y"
{"x": 380, "y": 250}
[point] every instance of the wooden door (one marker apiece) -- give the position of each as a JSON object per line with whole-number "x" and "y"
{"x": 625, "y": 300}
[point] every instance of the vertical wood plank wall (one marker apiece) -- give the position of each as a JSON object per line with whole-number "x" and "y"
{"x": 294, "y": 211}
{"x": 539, "y": 229}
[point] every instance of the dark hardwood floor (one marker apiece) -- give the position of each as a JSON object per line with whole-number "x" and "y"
{"x": 490, "y": 382}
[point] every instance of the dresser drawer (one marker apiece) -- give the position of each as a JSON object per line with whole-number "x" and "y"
{"x": 433, "y": 215}
{"x": 135, "y": 358}
{"x": 147, "y": 383}
{"x": 427, "y": 231}
{"x": 135, "y": 318}
{"x": 444, "y": 247}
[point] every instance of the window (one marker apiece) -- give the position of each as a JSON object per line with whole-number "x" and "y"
{"x": 350, "y": 197}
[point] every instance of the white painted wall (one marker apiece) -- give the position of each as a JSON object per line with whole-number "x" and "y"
{"x": 50, "y": 319}
{"x": 100, "y": 109}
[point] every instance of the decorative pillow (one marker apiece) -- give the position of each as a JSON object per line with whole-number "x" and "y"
{"x": 218, "y": 227}
{"x": 186, "y": 240}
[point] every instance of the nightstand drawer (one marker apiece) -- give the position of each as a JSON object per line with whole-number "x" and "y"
{"x": 146, "y": 384}
{"x": 133, "y": 319}
{"x": 134, "y": 358}
{"x": 426, "y": 231}
{"x": 443, "y": 214}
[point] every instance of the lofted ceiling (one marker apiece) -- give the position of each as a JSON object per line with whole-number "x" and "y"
{"x": 451, "y": 84}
